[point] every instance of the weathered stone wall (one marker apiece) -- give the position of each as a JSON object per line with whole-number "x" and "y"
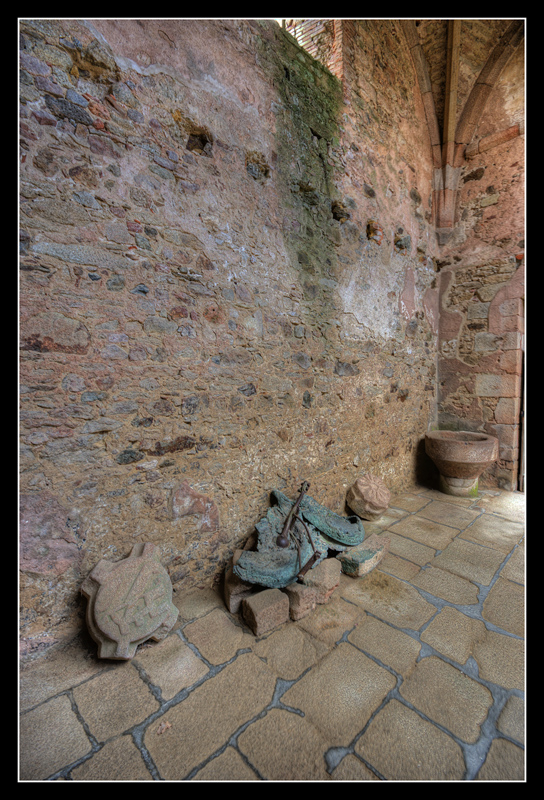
{"x": 227, "y": 286}
{"x": 482, "y": 283}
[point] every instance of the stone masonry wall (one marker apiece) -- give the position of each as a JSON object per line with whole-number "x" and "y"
{"x": 227, "y": 286}
{"x": 482, "y": 284}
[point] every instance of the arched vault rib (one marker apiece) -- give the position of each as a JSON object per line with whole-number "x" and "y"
{"x": 488, "y": 77}
{"x": 452, "y": 145}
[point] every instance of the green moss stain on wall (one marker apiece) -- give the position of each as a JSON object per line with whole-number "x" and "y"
{"x": 307, "y": 132}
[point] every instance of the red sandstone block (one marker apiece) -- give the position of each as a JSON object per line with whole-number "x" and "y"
{"x": 512, "y": 306}
{"x": 496, "y": 386}
{"x": 459, "y": 159}
{"x": 422, "y": 71}
{"x": 511, "y": 340}
{"x": 446, "y": 208}
{"x": 324, "y": 578}
{"x": 302, "y": 599}
{"x": 472, "y": 111}
{"x": 411, "y": 33}
{"x": 486, "y": 342}
{"x": 509, "y": 455}
{"x": 448, "y": 153}
{"x": 436, "y": 150}
{"x": 265, "y": 610}
{"x": 235, "y": 590}
{"x": 513, "y": 323}
{"x": 498, "y": 138}
{"x": 511, "y": 361}
{"x": 507, "y": 410}
{"x": 508, "y": 436}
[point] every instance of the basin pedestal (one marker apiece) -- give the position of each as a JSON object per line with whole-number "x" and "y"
{"x": 461, "y": 457}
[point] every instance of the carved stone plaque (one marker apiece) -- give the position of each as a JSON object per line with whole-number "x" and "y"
{"x": 129, "y": 601}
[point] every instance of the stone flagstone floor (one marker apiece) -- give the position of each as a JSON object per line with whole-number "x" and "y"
{"x": 414, "y": 672}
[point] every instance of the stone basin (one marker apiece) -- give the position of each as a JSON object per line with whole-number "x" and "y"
{"x": 461, "y": 457}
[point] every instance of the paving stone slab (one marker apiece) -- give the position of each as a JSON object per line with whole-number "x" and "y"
{"x": 171, "y": 665}
{"x": 406, "y": 548}
{"x": 284, "y": 746}
{"x": 510, "y": 505}
{"x": 425, "y": 531}
{"x": 408, "y": 501}
{"x": 354, "y": 686}
{"x": 399, "y": 567}
{"x": 389, "y": 645}
{"x": 196, "y": 729}
{"x": 352, "y": 768}
{"x": 504, "y": 606}
{"x": 389, "y": 599}
{"x": 60, "y": 669}
{"x": 290, "y": 651}
{"x": 404, "y": 747}
{"x": 330, "y": 622}
{"x": 512, "y": 719}
{"x": 514, "y": 569}
{"x": 454, "y": 634}
{"x": 119, "y": 760}
{"x": 217, "y": 637}
{"x": 447, "y": 696}
{"x": 228, "y": 766}
{"x": 501, "y": 660}
{"x": 505, "y": 762}
{"x": 469, "y": 560}
{"x": 491, "y": 531}
{"x": 114, "y": 701}
{"x": 446, "y": 585}
{"x": 51, "y": 737}
{"x": 440, "y": 497}
{"x": 391, "y": 516}
{"x": 451, "y": 514}
{"x": 196, "y": 603}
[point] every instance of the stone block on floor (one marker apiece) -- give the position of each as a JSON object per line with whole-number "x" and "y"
{"x": 368, "y": 497}
{"x": 302, "y": 599}
{"x": 234, "y": 588}
{"x": 362, "y": 559}
{"x": 265, "y": 610}
{"x": 324, "y": 578}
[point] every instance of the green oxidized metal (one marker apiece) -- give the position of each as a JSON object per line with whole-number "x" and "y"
{"x": 347, "y": 530}
{"x": 276, "y": 567}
